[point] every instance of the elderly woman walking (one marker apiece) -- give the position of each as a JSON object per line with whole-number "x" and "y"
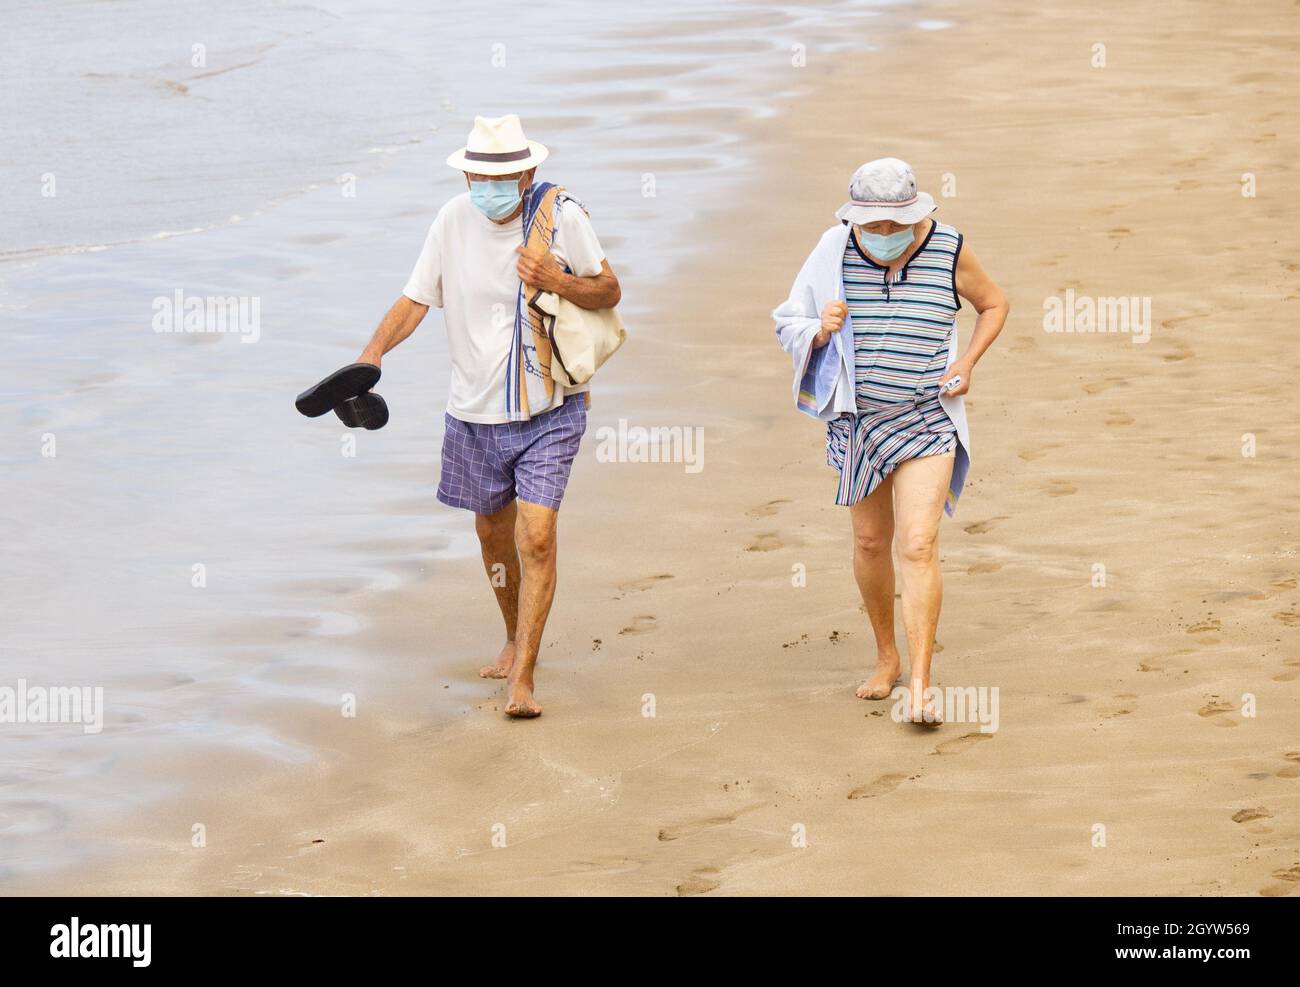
{"x": 870, "y": 325}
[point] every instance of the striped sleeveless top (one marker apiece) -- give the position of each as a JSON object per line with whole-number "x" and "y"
{"x": 902, "y": 325}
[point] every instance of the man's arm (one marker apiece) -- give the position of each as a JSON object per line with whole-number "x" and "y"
{"x": 544, "y": 273}
{"x": 399, "y": 323}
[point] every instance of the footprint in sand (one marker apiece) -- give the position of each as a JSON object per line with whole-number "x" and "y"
{"x": 700, "y": 881}
{"x": 982, "y": 567}
{"x": 769, "y": 541}
{"x": 1228, "y": 596}
{"x": 1175, "y": 321}
{"x": 1250, "y": 815}
{"x": 1215, "y": 707}
{"x": 640, "y": 625}
{"x": 962, "y": 743}
{"x": 1289, "y": 617}
{"x": 92, "y": 381}
{"x": 1119, "y": 418}
{"x": 768, "y": 509}
{"x": 1061, "y": 488}
{"x": 1105, "y": 384}
{"x": 1290, "y": 676}
{"x": 1124, "y": 704}
{"x": 984, "y": 527}
{"x": 1290, "y": 878}
{"x": 1038, "y": 452}
{"x": 611, "y": 865}
{"x": 669, "y": 833}
{"x": 641, "y": 585}
{"x": 881, "y": 786}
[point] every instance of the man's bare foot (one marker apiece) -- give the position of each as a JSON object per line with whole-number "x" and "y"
{"x": 501, "y": 667}
{"x": 521, "y": 704}
{"x": 882, "y": 680}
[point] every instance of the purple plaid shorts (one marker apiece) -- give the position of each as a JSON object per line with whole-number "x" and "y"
{"x": 484, "y": 467}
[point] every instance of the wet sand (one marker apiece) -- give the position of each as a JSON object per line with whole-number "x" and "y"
{"x": 1126, "y": 705}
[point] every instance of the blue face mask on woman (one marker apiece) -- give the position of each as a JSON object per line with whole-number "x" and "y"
{"x": 495, "y": 199}
{"x": 886, "y": 246}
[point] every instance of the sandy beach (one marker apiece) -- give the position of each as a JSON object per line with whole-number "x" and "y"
{"x": 1122, "y": 566}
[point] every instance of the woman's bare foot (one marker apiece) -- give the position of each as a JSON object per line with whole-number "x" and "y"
{"x": 882, "y": 680}
{"x": 501, "y": 667}
{"x": 923, "y": 707}
{"x": 521, "y": 703}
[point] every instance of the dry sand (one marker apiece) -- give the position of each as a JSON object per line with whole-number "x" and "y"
{"x": 1121, "y": 705}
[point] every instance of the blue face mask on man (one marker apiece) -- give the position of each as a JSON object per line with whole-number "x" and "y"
{"x": 495, "y": 199}
{"x": 886, "y": 246}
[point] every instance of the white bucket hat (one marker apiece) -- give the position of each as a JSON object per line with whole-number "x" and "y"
{"x": 885, "y": 189}
{"x": 497, "y": 146}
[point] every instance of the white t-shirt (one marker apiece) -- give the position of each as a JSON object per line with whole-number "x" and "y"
{"x": 467, "y": 268}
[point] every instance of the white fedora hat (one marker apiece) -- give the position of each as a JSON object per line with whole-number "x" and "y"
{"x": 497, "y": 146}
{"x": 885, "y": 189}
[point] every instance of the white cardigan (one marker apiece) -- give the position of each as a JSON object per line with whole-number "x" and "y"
{"x": 824, "y": 379}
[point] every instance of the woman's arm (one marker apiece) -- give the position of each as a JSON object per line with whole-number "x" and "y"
{"x": 974, "y": 285}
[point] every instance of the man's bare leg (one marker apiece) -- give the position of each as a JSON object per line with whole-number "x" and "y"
{"x": 535, "y": 530}
{"x": 920, "y": 486}
{"x": 496, "y": 538}
{"x": 873, "y": 568}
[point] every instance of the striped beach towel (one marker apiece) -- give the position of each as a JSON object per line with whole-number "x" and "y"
{"x": 528, "y": 370}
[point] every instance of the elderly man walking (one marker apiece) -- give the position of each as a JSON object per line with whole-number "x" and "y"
{"x": 511, "y": 431}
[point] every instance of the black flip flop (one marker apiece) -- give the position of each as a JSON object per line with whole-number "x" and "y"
{"x": 367, "y": 410}
{"x": 352, "y": 380}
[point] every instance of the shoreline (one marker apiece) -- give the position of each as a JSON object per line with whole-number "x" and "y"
{"x": 1120, "y": 702}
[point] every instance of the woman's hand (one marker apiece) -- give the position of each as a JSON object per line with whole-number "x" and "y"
{"x": 833, "y": 316}
{"x": 961, "y": 369}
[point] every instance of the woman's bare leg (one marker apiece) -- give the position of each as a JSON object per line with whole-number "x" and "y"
{"x": 920, "y": 486}
{"x": 873, "y": 568}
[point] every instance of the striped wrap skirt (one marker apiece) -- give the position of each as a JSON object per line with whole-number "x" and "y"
{"x": 868, "y": 446}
